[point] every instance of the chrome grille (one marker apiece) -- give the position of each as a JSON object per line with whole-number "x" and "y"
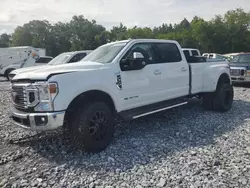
{"x": 19, "y": 97}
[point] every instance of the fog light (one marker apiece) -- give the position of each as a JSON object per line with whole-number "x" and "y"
{"x": 41, "y": 120}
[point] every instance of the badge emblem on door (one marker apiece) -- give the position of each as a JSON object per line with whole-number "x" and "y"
{"x": 118, "y": 81}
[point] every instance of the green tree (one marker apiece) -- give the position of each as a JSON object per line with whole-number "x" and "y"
{"x": 237, "y": 23}
{"x": 137, "y": 33}
{"x": 5, "y": 40}
{"x": 84, "y": 33}
{"x": 118, "y": 33}
{"x": 222, "y": 34}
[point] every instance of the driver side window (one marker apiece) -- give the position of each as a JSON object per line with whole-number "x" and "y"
{"x": 145, "y": 49}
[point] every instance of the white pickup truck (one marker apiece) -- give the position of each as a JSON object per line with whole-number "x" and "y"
{"x": 131, "y": 78}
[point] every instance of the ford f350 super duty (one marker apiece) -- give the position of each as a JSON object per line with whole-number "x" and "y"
{"x": 131, "y": 79}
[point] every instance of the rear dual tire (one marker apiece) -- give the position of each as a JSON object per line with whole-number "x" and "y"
{"x": 221, "y": 100}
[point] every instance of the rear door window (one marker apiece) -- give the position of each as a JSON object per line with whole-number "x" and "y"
{"x": 186, "y": 53}
{"x": 167, "y": 53}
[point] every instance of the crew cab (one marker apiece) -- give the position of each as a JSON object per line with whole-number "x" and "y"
{"x": 129, "y": 79}
{"x": 240, "y": 68}
{"x": 66, "y": 57}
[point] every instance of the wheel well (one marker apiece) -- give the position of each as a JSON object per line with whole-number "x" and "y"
{"x": 224, "y": 78}
{"x": 8, "y": 70}
{"x": 89, "y": 96}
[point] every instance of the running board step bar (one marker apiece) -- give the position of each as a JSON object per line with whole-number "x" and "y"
{"x": 153, "y": 108}
{"x": 159, "y": 110}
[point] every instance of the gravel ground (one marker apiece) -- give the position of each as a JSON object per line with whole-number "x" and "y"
{"x": 184, "y": 147}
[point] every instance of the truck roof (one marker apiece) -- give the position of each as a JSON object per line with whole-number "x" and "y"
{"x": 82, "y": 51}
{"x": 46, "y": 56}
{"x": 143, "y": 40}
{"x": 243, "y": 53}
{"x": 189, "y": 49}
{"x": 154, "y": 40}
{"x": 73, "y": 52}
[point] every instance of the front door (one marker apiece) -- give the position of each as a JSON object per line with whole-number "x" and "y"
{"x": 139, "y": 87}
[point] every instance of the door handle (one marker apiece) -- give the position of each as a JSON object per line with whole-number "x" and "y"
{"x": 183, "y": 69}
{"x": 157, "y": 72}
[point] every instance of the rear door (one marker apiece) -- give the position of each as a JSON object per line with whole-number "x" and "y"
{"x": 174, "y": 71}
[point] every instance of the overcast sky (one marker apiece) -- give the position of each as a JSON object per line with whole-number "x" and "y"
{"x": 111, "y": 12}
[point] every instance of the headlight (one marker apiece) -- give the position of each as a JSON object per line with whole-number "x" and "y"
{"x": 46, "y": 95}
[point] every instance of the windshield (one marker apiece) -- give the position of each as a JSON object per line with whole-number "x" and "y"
{"x": 244, "y": 58}
{"x": 60, "y": 59}
{"x": 105, "y": 53}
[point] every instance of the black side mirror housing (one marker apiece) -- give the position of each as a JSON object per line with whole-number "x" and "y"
{"x": 136, "y": 63}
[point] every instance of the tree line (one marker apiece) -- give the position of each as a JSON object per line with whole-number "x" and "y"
{"x": 222, "y": 34}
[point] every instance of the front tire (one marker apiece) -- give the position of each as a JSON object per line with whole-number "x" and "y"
{"x": 92, "y": 127}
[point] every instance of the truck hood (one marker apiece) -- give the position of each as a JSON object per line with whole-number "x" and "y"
{"x": 42, "y": 73}
{"x": 33, "y": 68}
{"x": 245, "y": 65}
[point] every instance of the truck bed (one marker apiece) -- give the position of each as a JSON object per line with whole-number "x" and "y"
{"x": 202, "y": 75}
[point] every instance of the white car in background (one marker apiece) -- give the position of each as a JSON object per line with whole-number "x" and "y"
{"x": 13, "y": 58}
{"x": 63, "y": 58}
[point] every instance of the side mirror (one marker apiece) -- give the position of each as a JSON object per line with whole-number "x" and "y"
{"x": 137, "y": 55}
{"x": 136, "y": 63}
